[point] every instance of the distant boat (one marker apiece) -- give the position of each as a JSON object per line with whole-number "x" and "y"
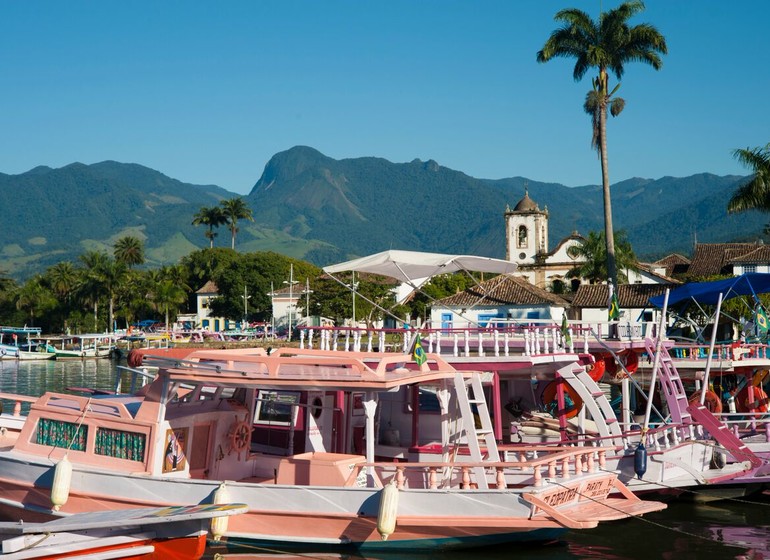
{"x": 98, "y": 345}
{"x": 21, "y": 343}
{"x": 143, "y": 533}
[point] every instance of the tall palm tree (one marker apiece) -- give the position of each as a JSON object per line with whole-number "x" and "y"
{"x": 755, "y": 193}
{"x": 236, "y": 209}
{"x": 89, "y": 286}
{"x": 213, "y": 216}
{"x": 605, "y": 45}
{"x": 129, "y": 250}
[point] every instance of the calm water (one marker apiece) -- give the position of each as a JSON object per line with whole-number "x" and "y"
{"x": 738, "y": 529}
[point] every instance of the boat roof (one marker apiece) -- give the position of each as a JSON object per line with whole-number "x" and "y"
{"x": 407, "y": 266}
{"x": 323, "y": 370}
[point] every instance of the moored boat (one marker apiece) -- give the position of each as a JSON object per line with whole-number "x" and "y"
{"x": 132, "y": 534}
{"x": 300, "y": 440}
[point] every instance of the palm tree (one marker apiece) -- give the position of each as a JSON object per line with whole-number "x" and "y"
{"x": 236, "y": 209}
{"x": 606, "y": 45}
{"x": 34, "y": 298}
{"x": 212, "y": 217}
{"x": 129, "y": 250}
{"x": 592, "y": 256}
{"x": 167, "y": 296}
{"x": 62, "y": 277}
{"x": 755, "y": 193}
{"x": 89, "y": 286}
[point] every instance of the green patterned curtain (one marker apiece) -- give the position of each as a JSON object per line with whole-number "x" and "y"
{"x": 61, "y": 434}
{"x": 119, "y": 444}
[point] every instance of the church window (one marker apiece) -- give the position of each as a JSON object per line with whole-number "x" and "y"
{"x": 522, "y": 236}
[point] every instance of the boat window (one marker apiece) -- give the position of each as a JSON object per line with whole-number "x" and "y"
{"x": 120, "y": 444}
{"x": 58, "y": 433}
{"x": 275, "y": 407}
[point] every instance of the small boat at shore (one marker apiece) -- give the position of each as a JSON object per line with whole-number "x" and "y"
{"x": 22, "y": 343}
{"x": 130, "y": 534}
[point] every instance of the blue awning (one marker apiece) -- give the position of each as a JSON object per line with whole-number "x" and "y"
{"x": 707, "y": 293}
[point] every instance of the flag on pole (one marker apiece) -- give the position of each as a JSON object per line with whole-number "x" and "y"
{"x": 418, "y": 352}
{"x": 565, "y": 331}
{"x": 613, "y": 311}
{"x": 760, "y": 319}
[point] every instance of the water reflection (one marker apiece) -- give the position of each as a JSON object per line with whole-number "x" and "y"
{"x": 732, "y": 529}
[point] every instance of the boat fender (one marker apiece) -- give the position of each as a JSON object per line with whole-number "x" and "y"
{"x": 640, "y": 460}
{"x": 2, "y": 351}
{"x": 386, "y": 517}
{"x": 60, "y": 487}
{"x": 219, "y": 524}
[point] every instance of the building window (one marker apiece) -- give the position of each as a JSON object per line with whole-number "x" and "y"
{"x": 749, "y": 268}
{"x": 522, "y": 236}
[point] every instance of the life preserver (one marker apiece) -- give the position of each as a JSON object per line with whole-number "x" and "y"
{"x": 744, "y": 403}
{"x": 629, "y": 359}
{"x": 239, "y": 436}
{"x": 572, "y": 401}
{"x": 596, "y": 370}
{"x": 711, "y": 401}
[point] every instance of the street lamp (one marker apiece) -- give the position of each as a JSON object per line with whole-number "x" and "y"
{"x": 307, "y": 293}
{"x": 353, "y": 288}
{"x": 246, "y": 299}
{"x": 291, "y": 283}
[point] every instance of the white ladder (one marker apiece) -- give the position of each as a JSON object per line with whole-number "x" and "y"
{"x": 469, "y": 394}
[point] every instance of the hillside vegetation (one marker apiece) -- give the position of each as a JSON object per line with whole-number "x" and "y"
{"x": 312, "y": 207}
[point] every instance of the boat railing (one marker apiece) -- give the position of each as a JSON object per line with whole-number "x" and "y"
{"x": 499, "y": 338}
{"x": 747, "y": 424}
{"x": 527, "y": 470}
{"x": 17, "y": 400}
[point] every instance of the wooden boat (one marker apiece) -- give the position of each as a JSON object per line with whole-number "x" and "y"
{"x": 131, "y": 534}
{"x": 83, "y": 346}
{"x": 21, "y": 343}
{"x": 300, "y": 441}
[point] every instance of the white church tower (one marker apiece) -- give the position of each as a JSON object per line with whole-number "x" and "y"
{"x": 526, "y": 229}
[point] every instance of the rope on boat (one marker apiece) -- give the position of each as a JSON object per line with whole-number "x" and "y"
{"x": 254, "y": 548}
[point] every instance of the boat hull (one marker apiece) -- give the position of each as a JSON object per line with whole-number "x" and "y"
{"x": 291, "y": 517}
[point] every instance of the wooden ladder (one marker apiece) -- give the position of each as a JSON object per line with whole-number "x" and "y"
{"x": 671, "y": 383}
{"x": 596, "y": 402}
{"x": 469, "y": 394}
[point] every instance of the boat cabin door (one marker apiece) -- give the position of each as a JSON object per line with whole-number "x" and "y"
{"x": 320, "y": 422}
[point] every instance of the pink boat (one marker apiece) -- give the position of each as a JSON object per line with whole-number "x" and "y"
{"x": 303, "y": 442}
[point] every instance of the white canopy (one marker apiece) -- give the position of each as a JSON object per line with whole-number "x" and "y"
{"x": 408, "y": 266}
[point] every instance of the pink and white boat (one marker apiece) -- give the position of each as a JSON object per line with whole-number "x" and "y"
{"x": 301, "y": 441}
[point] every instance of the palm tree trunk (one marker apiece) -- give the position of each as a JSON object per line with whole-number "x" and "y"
{"x": 608, "y": 231}
{"x": 232, "y": 230}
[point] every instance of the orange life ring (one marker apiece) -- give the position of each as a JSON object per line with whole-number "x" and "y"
{"x": 239, "y": 435}
{"x": 711, "y": 401}
{"x": 572, "y": 401}
{"x": 631, "y": 361}
{"x": 596, "y": 370}
{"x": 743, "y": 403}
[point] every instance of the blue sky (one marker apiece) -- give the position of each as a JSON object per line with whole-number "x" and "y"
{"x": 208, "y": 92}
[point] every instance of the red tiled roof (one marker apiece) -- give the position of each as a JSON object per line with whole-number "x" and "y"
{"x": 674, "y": 263}
{"x": 629, "y": 295}
{"x": 760, "y": 255}
{"x": 710, "y": 259}
{"x": 209, "y": 287}
{"x": 505, "y": 290}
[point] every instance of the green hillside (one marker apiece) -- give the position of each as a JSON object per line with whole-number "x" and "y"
{"x": 312, "y": 207}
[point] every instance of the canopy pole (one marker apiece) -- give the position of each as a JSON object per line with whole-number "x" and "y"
{"x": 711, "y": 352}
{"x": 655, "y": 363}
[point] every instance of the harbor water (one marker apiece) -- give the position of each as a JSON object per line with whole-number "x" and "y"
{"x": 732, "y": 529}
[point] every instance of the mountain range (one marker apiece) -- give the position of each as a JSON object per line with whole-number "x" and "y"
{"x": 309, "y": 206}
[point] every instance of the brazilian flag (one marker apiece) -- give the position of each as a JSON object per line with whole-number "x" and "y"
{"x": 418, "y": 352}
{"x": 760, "y": 319}
{"x": 565, "y": 330}
{"x": 614, "y": 310}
